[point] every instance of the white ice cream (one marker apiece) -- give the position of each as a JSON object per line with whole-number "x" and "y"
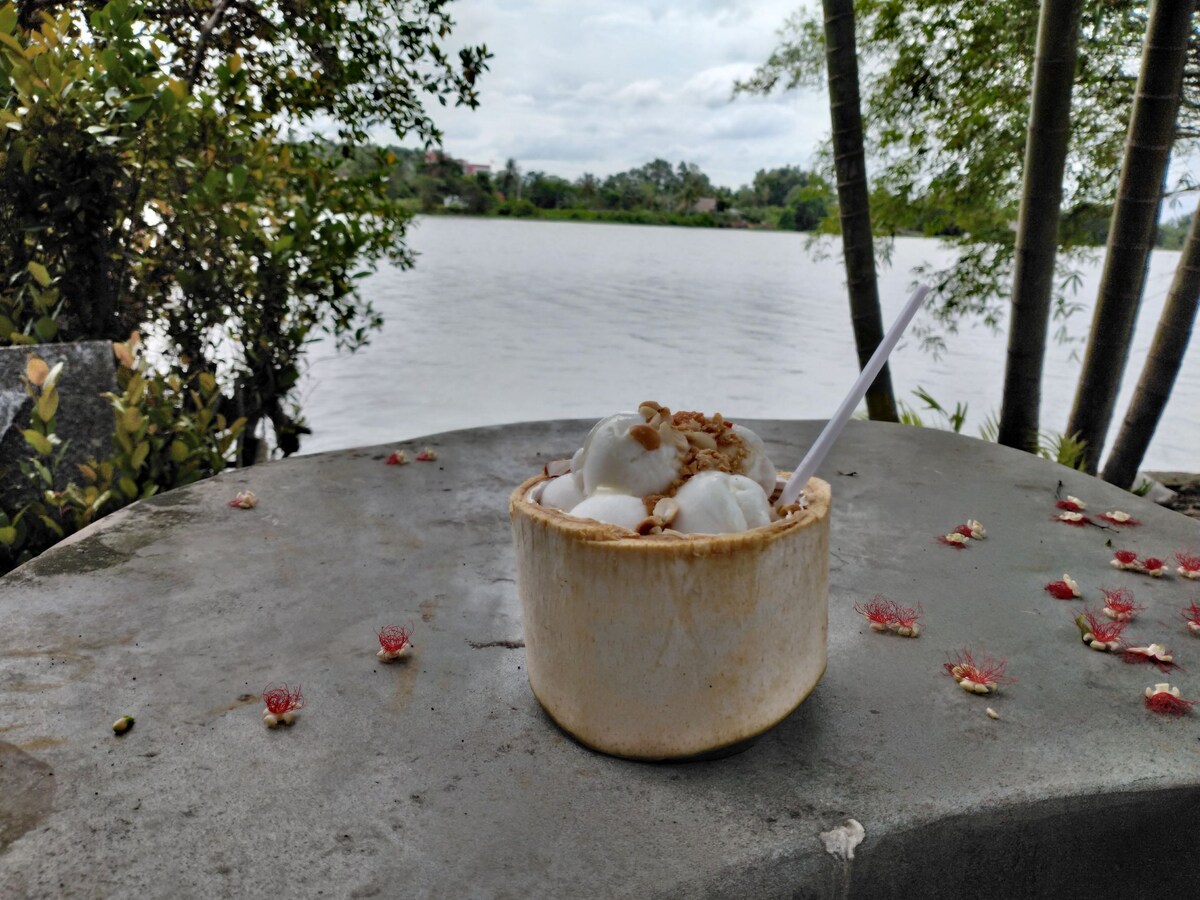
{"x": 613, "y": 460}
{"x": 615, "y": 509}
{"x": 613, "y": 472}
{"x": 756, "y": 466}
{"x": 718, "y": 503}
{"x": 562, "y": 493}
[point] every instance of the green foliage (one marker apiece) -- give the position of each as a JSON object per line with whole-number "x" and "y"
{"x": 1066, "y": 450}
{"x": 151, "y": 177}
{"x": 167, "y": 432}
{"x": 946, "y": 98}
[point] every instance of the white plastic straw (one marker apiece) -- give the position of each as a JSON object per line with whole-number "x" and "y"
{"x": 833, "y": 429}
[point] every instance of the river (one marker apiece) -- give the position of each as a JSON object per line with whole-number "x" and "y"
{"x": 503, "y": 321}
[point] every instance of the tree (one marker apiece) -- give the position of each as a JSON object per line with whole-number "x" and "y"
{"x": 510, "y": 180}
{"x": 207, "y": 218}
{"x": 853, "y": 200}
{"x": 1037, "y": 228}
{"x": 1135, "y": 216}
{"x": 1162, "y": 365}
{"x": 946, "y": 133}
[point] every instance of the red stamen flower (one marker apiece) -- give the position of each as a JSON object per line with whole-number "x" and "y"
{"x": 1116, "y": 517}
{"x": 1125, "y": 557}
{"x": 953, "y": 539}
{"x": 394, "y": 637}
{"x": 1119, "y": 604}
{"x": 980, "y": 677}
{"x": 398, "y": 458}
{"x": 1060, "y": 590}
{"x": 1069, "y": 505}
{"x": 1156, "y": 654}
{"x": 1099, "y": 630}
{"x": 1153, "y": 564}
{"x": 427, "y": 455}
{"x": 879, "y": 611}
{"x": 244, "y": 500}
{"x": 1077, "y": 519}
{"x": 1192, "y": 615}
{"x": 1189, "y": 564}
{"x": 907, "y": 616}
{"x": 281, "y": 699}
{"x": 964, "y": 530}
{"x": 1163, "y": 698}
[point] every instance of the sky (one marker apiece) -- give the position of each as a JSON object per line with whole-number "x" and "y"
{"x": 579, "y": 87}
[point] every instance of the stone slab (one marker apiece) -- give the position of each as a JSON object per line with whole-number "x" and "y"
{"x": 84, "y": 418}
{"x": 442, "y": 777}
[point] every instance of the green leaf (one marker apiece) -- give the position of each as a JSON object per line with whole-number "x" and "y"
{"x": 52, "y": 525}
{"x": 46, "y": 328}
{"x": 139, "y": 455}
{"x": 8, "y": 19}
{"x": 38, "y": 442}
{"x": 8, "y": 534}
{"x": 128, "y": 487}
{"x": 47, "y": 404}
{"x": 178, "y": 451}
{"x": 38, "y": 271}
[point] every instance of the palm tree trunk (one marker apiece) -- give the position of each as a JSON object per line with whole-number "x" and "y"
{"x": 849, "y": 160}
{"x": 1134, "y": 221}
{"x": 1037, "y": 228}
{"x": 1162, "y": 365}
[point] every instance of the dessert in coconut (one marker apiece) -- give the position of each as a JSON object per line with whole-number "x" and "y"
{"x": 670, "y": 609}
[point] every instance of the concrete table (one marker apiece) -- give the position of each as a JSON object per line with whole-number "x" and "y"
{"x": 441, "y": 777}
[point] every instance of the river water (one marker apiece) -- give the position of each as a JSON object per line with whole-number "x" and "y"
{"x": 503, "y": 321}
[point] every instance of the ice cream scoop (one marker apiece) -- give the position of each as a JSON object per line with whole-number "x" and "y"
{"x": 615, "y": 509}
{"x": 624, "y": 455}
{"x": 562, "y": 493}
{"x": 720, "y": 503}
{"x": 755, "y": 465}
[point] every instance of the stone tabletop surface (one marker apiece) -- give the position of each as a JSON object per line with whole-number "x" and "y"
{"x": 441, "y": 776}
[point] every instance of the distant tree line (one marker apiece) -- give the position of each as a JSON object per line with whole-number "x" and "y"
{"x": 788, "y": 198}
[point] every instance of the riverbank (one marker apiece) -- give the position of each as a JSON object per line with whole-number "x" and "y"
{"x": 1186, "y": 486}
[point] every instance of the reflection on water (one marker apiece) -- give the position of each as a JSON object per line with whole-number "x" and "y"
{"x": 504, "y": 321}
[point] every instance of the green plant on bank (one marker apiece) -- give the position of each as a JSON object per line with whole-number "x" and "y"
{"x": 167, "y": 432}
{"x": 1060, "y": 448}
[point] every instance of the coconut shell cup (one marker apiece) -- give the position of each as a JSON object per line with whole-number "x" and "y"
{"x": 671, "y": 646}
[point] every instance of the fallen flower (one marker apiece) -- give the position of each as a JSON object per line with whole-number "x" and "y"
{"x": 394, "y": 641}
{"x": 1119, "y": 604}
{"x": 1189, "y": 565}
{"x": 1067, "y": 589}
{"x": 904, "y": 620}
{"x": 244, "y": 500}
{"x": 398, "y": 458}
{"x": 427, "y": 455}
{"x": 977, "y": 530}
{"x": 954, "y": 539}
{"x": 1103, "y": 636}
{"x": 879, "y": 612}
{"x": 982, "y": 677}
{"x": 1126, "y": 560}
{"x": 282, "y": 704}
{"x": 1162, "y": 698}
{"x": 1155, "y": 654}
{"x": 1116, "y": 517}
{"x": 123, "y": 724}
{"x": 1155, "y": 568}
{"x": 1192, "y": 615}
{"x": 1071, "y": 504}
{"x": 1073, "y": 518}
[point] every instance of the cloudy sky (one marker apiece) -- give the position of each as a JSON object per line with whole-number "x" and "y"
{"x": 580, "y": 87}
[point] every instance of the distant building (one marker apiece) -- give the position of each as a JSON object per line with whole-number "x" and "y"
{"x": 432, "y": 157}
{"x": 705, "y": 205}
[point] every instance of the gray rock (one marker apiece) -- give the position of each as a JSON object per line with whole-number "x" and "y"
{"x": 440, "y": 777}
{"x": 84, "y": 418}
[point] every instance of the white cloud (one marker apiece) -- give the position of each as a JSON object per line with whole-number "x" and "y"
{"x": 605, "y": 86}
